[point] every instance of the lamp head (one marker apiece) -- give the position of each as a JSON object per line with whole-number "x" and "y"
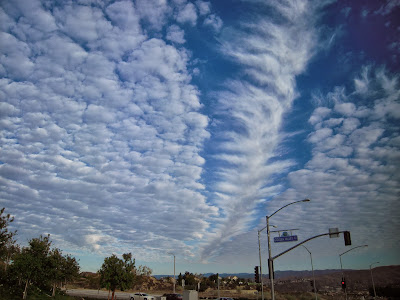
{"x": 306, "y": 200}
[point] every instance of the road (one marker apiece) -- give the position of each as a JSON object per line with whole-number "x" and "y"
{"x": 95, "y": 294}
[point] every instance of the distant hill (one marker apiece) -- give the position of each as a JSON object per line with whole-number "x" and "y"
{"x": 278, "y": 274}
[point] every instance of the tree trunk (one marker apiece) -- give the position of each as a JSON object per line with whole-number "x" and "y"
{"x": 112, "y": 297}
{"x": 25, "y": 290}
{"x": 54, "y": 290}
{"x": 108, "y": 298}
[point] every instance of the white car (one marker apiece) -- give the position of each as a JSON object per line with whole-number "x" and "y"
{"x": 141, "y": 296}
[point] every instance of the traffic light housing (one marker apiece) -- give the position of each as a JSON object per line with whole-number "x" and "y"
{"x": 347, "y": 238}
{"x": 256, "y": 275}
{"x": 311, "y": 283}
{"x": 343, "y": 283}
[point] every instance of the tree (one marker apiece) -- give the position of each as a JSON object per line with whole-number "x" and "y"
{"x": 190, "y": 279}
{"x": 32, "y": 263}
{"x": 117, "y": 273}
{"x": 70, "y": 268}
{"x": 62, "y": 268}
{"x": 41, "y": 266}
{"x": 55, "y": 264}
{"x": 143, "y": 271}
{"x": 6, "y": 236}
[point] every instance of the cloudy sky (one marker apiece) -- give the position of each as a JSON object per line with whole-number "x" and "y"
{"x": 163, "y": 127}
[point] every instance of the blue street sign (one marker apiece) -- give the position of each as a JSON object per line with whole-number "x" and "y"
{"x": 290, "y": 238}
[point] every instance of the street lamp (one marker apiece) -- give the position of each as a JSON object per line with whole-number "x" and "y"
{"x": 341, "y": 266}
{"x": 372, "y": 277}
{"x": 270, "y": 262}
{"x": 259, "y": 254}
{"x": 312, "y": 267}
{"x": 174, "y": 270}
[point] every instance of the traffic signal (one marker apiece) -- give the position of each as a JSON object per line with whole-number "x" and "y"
{"x": 343, "y": 283}
{"x": 347, "y": 239}
{"x": 311, "y": 283}
{"x": 256, "y": 275}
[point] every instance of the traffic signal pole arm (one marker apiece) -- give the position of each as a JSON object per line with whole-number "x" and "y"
{"x": 305, "y": 241}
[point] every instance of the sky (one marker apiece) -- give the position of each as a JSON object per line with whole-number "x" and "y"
{"x": 174, "y": 127}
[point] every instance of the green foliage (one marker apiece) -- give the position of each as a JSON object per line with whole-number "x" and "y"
{"x": 190, "y": 279}
{"x": 117, "y": 273}
{"x": 32, "y": 264}
{"x": 6, "y": 237}
{"x": 143, "y": 271}
{"x": 36, "y": 268}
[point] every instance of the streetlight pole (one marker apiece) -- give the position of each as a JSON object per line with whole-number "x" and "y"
{"x": 270, "y": 261}
{"x": 313, "y": 275}
{"x": 341, "y": 266}
{"x": 372, "y": 277}
{"x": 259, "y": 254}
{"x": 174, "y": 272}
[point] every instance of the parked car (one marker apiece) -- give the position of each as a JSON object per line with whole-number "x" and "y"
{"x": 173, "y": 296}
{"x": 141, "y": 296}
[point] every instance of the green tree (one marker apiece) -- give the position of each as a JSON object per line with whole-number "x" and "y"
{"x": 190, "y": 279}
{"x": 60, "y": 268}
{"x": 143, "y": 271}
{"x": 6, "y": 237}
{"x": 42, "y": 267}
{"x": 32, "y": 263}
{"x": 117, "y": 273}
{"x": 70, "y": 268}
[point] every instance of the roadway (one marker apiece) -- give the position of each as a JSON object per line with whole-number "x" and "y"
{"x": 95, "y": 294}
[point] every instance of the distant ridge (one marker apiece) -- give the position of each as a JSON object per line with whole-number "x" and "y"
{"x": 278, "y": 274}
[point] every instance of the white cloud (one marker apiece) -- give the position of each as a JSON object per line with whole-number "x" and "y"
{"x": 175, "y": 34}
{"x": 319, "y": 114}
{"x": 214, "y": 21}
{"x": 187, "y": 14}
{"x": 123, "y": 14}
{"x": 103, "y": 133}
{"x": 388, "y": 7}
{"x": 154, "y": 11}
{"x": 352, "y": 181}
{"x": 203, "y": 7}
{"x": 248, "y": 135}
{"x": 347, "y": 109}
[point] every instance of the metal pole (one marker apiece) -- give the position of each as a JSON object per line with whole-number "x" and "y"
{"x": 271, "y": 273}
{"x": 270, "y": 260}
{"x": 312, "y": 267}
{"x": 340, "y": 256}
{"x": 259, "y": 254}
{"x": 372, "y": 277}
{"x": 174, "y": 274}
{"x": 218, "y": 285}
{"x": 341, "y": 268}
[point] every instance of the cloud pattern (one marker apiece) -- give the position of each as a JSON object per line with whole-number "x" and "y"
{"x": 107, "y": 145}
{"x": 101, "y": 129}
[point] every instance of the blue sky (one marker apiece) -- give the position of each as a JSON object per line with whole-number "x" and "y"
{"x": 158, "y": 127}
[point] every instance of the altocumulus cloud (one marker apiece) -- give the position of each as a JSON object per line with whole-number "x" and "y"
{"x": 156, "y": 126}
{"x": 101, "y": 129}
{"x": 352, "y": 175}
{"x": 271, "y": 52}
